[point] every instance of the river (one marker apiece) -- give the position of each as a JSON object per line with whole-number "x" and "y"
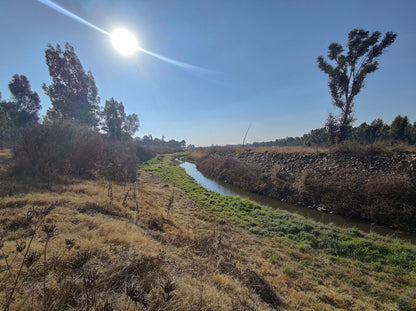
{"x": 325, "y": 218}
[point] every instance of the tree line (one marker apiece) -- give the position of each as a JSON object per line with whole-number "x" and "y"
{"x": 77, "y": 137}
{"x": 400, "y": 130}
{"x": 148, "y": 140}
{"x": 73, "y": 95}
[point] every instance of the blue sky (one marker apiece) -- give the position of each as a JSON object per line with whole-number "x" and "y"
{"x": 262, "y": 54}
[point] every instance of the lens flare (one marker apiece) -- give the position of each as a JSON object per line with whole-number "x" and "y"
{"x": 61, "y": 10}
{"x": 122, "y": 40}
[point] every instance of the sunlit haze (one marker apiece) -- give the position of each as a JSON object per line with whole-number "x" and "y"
{"x": 124, "y": 41}
{"x": 203, "y": 71}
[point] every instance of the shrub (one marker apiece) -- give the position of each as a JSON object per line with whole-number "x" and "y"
{"x": 58, "y": 148}
{"x": 120, "y": 162}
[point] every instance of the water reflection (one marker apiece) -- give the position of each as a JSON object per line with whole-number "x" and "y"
{"x": 325, "y": 218}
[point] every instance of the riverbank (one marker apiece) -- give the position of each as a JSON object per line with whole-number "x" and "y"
{"x": 340, "y": 268}
{"x": 308, "y": 213}
{"x": 367, "y": 184}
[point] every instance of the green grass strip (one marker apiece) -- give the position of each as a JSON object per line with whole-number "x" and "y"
{"x": 380, "y": 253}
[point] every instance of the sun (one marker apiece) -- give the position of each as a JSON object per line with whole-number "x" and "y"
{"x": 124, "y": 41}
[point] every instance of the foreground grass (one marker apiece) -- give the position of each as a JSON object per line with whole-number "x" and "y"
{"x": 369, "y": 265}
{"x": 86, "y": 245}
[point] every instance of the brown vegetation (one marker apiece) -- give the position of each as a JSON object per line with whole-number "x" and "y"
{"x": 59, "y": 151}
{"x": 74, "y": 246}
{"x": 95, "y": 245}
{"x": 374, "y": 182}
{"x": 91, "y": 252}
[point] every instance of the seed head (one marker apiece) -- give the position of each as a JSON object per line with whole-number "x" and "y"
{"x": 168, "y": 288}
{"x": 20, "y": 246}
{"x": 137, "y": 294}
{"x": 70, "y": 243}
{"x": 79, "y": 260}
{"x": 50, "y": 230}
{"x": 31, "y": 258}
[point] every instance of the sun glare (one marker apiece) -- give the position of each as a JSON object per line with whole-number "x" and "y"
{"x": 124, "y": 41}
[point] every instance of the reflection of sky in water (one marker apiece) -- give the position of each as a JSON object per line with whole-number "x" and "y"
{"x": 209, "y": 184}
{"x": 312, "y": 214}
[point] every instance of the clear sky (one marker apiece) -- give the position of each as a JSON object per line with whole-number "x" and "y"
{"x": 262, "y": 54}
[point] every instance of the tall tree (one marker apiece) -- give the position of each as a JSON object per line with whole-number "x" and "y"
{"x": 116, "y": 123}
{"x": 73, "y": 92}
{"x": 27, "y": 103}
{"x": 346, "y": 77}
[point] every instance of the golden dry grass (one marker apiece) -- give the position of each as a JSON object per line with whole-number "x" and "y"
{"x": 202, "y": 152}
{"x": 5, "y": 153}
{"x": 122, "y": 258}
{"x": 142, "y": 248}
{"x": 347, "y": 146}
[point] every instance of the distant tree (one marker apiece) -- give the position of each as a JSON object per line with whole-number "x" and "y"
{"x": 332, "y": 128}
{"x": 378, "y": 131}
{"x": 318, "y": 136}
{"x": 131, "y": 125}
{"x": 116, "y": 123}
{"x": 347, "y": 77}
{"x": 73, "y": 92}
{"x": 400, "y": 128}
{"x": 113, "y": 116}
{"x": 19, "y": 112}
{"x": 147, "y": 140}
{"x": 413, "y": 134}
{"x": 27, "y": 103}
{"x": 362, "y": 133}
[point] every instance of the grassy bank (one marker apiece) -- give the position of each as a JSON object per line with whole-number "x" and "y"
{"x": 386, "y": 261}
{"x": 373, "y": 183}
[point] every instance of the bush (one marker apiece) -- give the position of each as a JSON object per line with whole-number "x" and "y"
{"x": 120, "y": 162}
{"x": 56, "y": 149}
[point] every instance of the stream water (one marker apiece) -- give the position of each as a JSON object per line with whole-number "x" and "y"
{"x": 325, "y": 218}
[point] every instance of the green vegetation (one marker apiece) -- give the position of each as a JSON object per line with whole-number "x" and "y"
{"x": 400, "y": 131}
{"x": 372, "y": 250}
{"x": 21, "y": 112}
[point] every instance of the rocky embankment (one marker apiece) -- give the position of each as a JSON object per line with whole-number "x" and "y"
{"x": 377, "y": 187}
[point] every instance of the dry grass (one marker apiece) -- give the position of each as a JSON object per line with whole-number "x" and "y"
{"x": 107, "y": 256}
{"x": 349, "y": 147}
{"x": 5, "y": 157}
{"x": 5, "y": 153}
{"x": 199, "y": 153}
